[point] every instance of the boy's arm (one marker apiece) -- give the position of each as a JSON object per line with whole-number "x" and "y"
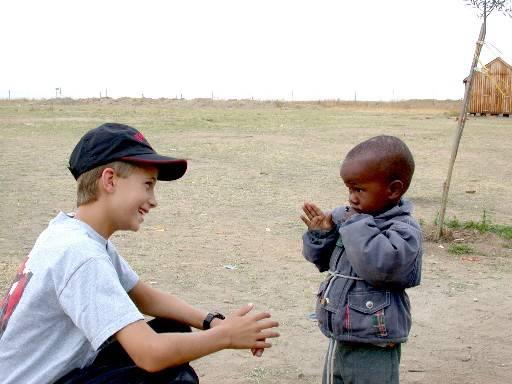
{"x": 156, "y": 303}
{"x": 317, "y": 247}
{"x": 320, "y": 239}
{"x": 153, "y": 351}
{"x": 382, "y": 257}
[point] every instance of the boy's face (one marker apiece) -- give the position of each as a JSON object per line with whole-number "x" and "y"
{"x": 133, "y": 197}
{"x": 368, "y": 191}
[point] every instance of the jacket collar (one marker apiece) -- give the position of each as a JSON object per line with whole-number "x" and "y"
{"x": 404, "y": 207}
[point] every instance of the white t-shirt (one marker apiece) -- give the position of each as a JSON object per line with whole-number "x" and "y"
{"x": 68, "y": 298}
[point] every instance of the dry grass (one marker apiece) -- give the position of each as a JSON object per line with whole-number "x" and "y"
{"x": 252, "y": 164}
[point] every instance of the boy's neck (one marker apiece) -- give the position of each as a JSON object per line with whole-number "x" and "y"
{"x": 93, "y": 214}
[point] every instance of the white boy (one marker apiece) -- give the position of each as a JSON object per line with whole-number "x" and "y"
{"x": 75, "y": 311}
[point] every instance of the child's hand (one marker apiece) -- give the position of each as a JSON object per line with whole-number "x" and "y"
{"x": 250, "y": 330}
{"x": 315, "y": 218}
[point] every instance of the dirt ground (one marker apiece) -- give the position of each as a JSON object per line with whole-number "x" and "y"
{"x": 229, "y": 232}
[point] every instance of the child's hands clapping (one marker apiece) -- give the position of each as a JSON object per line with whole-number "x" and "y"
{"x": 315, "y": 218}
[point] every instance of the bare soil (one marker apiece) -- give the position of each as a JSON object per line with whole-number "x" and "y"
{"x": 229, "y": 231}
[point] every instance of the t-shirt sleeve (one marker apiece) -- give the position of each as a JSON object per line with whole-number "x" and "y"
{"x": 97, "y": 302}
{"x": 126, "y": 274}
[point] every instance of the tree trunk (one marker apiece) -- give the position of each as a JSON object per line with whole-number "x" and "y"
{"x": 460, "y": 128}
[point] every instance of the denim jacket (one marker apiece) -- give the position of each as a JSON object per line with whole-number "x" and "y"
{"x": 370, "y": 260}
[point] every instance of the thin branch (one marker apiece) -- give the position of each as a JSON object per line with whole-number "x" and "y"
{"x": 489, "y": 6}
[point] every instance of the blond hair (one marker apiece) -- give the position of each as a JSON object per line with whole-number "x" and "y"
{"x": 87, "y": 182}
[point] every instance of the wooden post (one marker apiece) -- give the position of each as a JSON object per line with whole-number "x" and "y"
{"x": 460, "y": 128}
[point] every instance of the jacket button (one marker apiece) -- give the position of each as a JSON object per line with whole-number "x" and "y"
{"x": 369, "y": 304}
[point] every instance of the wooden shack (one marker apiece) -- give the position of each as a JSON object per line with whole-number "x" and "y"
{"x": 492, "y": 89}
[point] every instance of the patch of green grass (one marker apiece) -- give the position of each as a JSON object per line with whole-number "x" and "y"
{"x": 460, "y": 249}
{"x": 484, "y": 225}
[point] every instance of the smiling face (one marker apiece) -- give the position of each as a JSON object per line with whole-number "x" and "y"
{"x": 133, "y": 197}
{"x": 369, "y": 190}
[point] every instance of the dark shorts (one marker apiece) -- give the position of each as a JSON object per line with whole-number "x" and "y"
{"x": 113, "y": 365}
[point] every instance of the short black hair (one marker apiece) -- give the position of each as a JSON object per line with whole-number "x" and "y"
{"x": 392, "y": 155}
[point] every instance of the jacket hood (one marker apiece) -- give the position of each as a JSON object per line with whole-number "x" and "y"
{"x": 404, "y": 207}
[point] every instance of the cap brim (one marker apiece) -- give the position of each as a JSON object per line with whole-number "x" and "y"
{"x": 169, "y": 168}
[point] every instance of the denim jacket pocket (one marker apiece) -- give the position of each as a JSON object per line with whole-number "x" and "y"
{"x": 321, "y": 313}
{"x": 365, "y": 314}
{"x": 330, "y": 293}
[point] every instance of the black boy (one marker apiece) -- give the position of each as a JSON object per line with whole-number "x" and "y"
{"x": 372, "y": 251}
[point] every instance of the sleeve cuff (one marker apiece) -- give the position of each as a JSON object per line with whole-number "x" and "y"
{"x": 130, "y": 318}
{"x": 321, "y": 234}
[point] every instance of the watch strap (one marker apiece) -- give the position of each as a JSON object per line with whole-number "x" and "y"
{"x": 207, "y": 322}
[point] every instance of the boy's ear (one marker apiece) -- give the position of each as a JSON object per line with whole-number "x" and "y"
{"x": 396, "y": 189}
{"x": 107, "y": 181}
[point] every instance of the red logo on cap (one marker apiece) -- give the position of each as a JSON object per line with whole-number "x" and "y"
{"x": 139, "y": 137}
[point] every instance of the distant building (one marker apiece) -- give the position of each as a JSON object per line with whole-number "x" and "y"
{"x": 492, "y": 89}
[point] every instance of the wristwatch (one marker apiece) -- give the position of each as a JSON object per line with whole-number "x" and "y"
{"x": 207, "y": 322}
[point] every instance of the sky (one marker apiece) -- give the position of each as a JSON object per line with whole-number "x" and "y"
{"x": 234, "y": 49}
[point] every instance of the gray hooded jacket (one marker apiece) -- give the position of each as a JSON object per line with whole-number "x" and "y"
{"x": 370, "y": 260}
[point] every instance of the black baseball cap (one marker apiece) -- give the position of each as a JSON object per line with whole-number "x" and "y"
{"x": 118, "y": 142}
